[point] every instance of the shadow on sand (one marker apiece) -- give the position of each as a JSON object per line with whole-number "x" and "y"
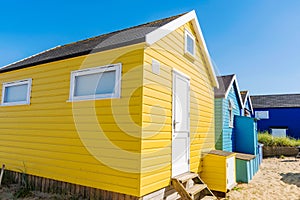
{"x": 291, "y": 178}
{"x": 296, "y": 160}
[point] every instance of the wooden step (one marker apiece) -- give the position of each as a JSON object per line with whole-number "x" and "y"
{"x": 185, "y": 177}
{"x": 196, "y": 189}
{"x": 190, "y": 193}
{"x": 209, "y": 198}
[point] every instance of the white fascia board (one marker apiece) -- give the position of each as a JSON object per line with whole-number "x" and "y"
{"x": 248, "y": 98}
{"x": 29, "y": 57}
{"x": 250, "y": 102}
{"x": 229, "y": 86}
{"x": 239, "y": 94}
{"x": 163, "y": 31}
{"x": 234, "y": 80}
{"x": 244, "y": 103}
{"x": 166, "y": 29}
{"x": 211, "y": 69}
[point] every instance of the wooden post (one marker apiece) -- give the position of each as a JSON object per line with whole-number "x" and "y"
{"x": 2, "y": 172}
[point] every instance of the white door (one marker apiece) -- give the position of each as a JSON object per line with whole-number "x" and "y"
{"x": 181, "y": 124}
{"x": 230, "y": 162}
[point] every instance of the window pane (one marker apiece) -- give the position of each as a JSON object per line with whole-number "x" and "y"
{"x": 16, "y": 93}
{"x": 92, "y": 84}
{"x": 190, "y": 45}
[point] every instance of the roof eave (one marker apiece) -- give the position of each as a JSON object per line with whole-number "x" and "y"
{"x": 234, "y": 80}
{"x": 77, "y": 54}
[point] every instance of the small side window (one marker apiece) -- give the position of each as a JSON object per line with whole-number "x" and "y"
{"x": 189, "y": 44}
{"x": 16, "y": 93}
{"x": 262, "y": 114}
{"x": 231, "y": 115}
{"x": 96, "y": 83}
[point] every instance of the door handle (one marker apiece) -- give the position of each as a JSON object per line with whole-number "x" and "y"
{"x": 174, "y": 124}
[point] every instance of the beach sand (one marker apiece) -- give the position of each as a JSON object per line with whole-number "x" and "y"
{"x": 277, "y": 179}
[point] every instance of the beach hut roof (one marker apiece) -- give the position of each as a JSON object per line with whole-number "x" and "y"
{"x": 276, "y": 101}
{"x": 148, "y": 33}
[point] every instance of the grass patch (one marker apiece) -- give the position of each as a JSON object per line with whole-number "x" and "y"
{"x": 237, "y": 189}
{"x": 268, "y": 140}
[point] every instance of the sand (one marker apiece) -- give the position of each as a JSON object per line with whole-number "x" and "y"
{"x": 277, "y": 179}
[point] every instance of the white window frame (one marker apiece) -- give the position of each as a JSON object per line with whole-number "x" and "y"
{"x": 95, "y": 70}
{"x": 278, "y": 132}
{"x": 186, "y": 34}
{"x": 262, "y": 114}
{"x": 231, "y": 114}
{"x": 16, "y": 83}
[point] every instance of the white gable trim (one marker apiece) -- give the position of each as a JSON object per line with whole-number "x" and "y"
{"x": 234, "y": 80}
{"x": 250, "y": 102}
{"x": 163, "y": 31}
{"x": 244, "y": 103}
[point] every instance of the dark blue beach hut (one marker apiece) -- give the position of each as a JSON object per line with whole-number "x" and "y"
{"x": 279, "y": 114}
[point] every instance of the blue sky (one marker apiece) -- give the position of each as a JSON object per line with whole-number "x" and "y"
{"x": 259, "y": 40}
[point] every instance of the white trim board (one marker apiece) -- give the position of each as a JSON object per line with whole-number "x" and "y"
{"x": 163, "y": 31}
{"x": 234, "y": 80}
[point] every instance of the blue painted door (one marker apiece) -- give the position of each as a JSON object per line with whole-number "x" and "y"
{"x": 246, "y": 135}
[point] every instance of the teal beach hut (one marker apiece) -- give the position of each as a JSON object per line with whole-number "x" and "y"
{"x": 228, "y": 103}
{"x": 235, "y": 128}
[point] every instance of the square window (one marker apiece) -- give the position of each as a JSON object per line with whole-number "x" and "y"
{"x": 278, "y": 132}
{"x": 262, "y": 114}
{"x": 189, "y": 44}
{"x": 16, "y": 93}
{"x": 96, "y": 83}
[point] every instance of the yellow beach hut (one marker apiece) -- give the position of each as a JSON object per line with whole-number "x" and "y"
{"x": 121, "y": 113}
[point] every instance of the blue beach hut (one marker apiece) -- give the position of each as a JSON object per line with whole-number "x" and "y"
{"x": 235, "y": 128}
{"x": 228, "y": 103}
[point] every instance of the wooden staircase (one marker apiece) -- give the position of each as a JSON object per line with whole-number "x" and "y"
{"x": 190, "y": 187}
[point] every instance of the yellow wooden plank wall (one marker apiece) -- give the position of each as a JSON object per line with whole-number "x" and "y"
{"x": 157, "y": 108}
{"x": 214, "y": 172}
{"x": 43, "y": 139}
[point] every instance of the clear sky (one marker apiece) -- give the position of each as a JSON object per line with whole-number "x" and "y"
{"x": 259, "y": 40}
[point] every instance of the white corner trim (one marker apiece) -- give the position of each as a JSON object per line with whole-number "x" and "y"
{"x": 161, "y": 32}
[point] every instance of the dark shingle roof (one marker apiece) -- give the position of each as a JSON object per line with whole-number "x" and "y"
{"x": 244, "y": 95}
{"x": 129, "y": 36}
{"x": 276, "y": 101}
{"x": 224, "y": 84}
